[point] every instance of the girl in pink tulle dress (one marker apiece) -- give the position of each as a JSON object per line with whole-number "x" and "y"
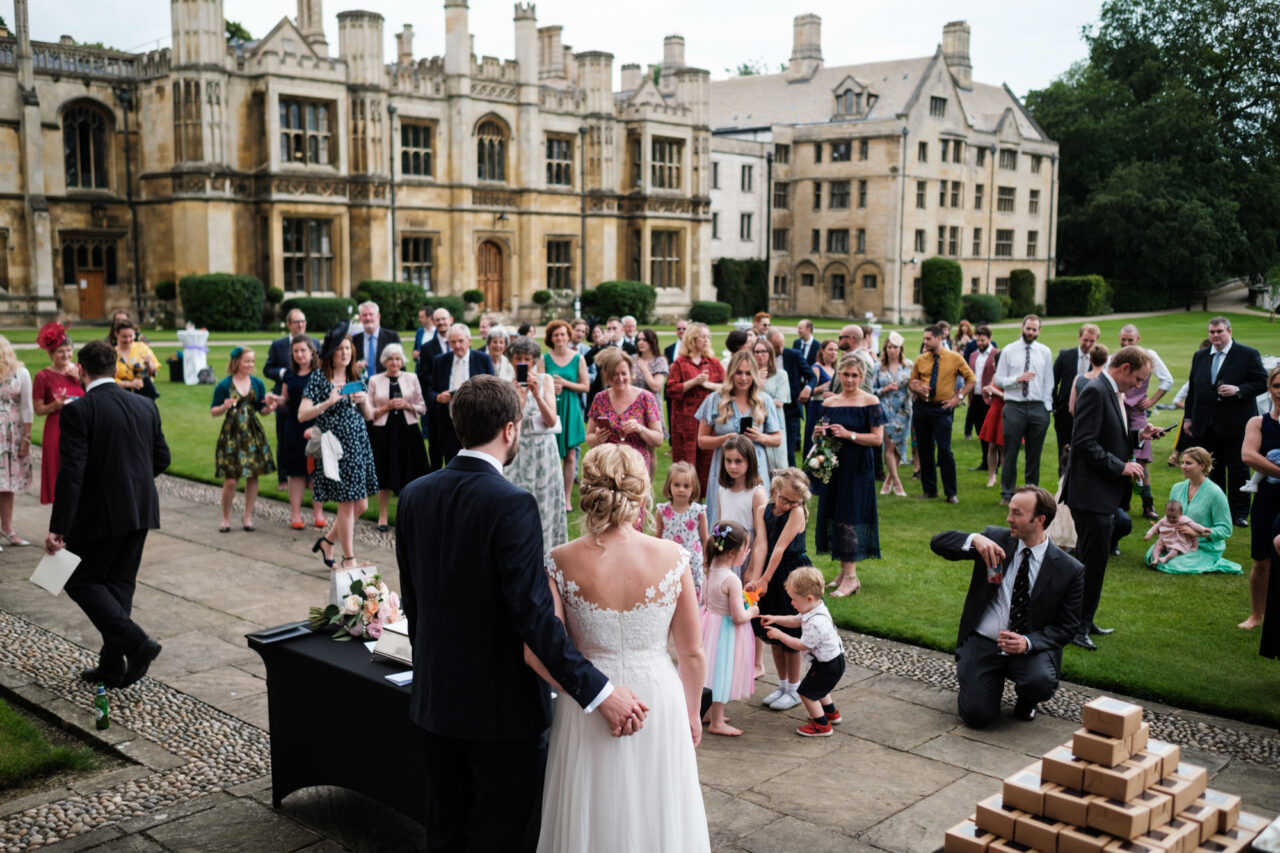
{"x": 726, "y": 624}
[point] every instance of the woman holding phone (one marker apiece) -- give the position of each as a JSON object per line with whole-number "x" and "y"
{"x": 624, "y": 414}
{"x": 337, "y": 402}
{"x": 536, "y": 468}
{"x": 740, "y": 407}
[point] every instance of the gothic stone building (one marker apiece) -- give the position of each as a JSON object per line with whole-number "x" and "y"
{"x": 277, "y": 158}
{"x": 872, "y": 168}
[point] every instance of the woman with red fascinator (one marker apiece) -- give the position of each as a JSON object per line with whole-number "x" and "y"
{"x": 54, "y": 387}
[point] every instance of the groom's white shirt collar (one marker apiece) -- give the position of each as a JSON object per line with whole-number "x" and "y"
{"x": 476, "y": 454}
{"x": 105, "y": 380}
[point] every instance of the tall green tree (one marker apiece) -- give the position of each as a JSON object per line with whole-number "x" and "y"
{"x": 1169, "y": 136}
{"x": 236, "y": 31}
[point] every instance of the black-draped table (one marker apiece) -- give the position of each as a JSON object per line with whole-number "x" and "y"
{"x": 337, "y": 720}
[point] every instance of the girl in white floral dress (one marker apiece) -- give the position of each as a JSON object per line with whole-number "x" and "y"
{"x": 682, "y": 519}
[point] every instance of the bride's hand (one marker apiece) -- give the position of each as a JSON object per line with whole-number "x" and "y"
{"x": 695, "y": 729}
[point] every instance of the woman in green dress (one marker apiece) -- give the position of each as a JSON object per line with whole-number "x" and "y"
{"x": 569, "y": 373}
{"x": 1204, "y": 503}
{"x": 243, "y": 450}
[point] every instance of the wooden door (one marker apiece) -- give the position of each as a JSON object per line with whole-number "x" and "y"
{"x": 92, "y": 304}
{"x": 489, "y": 275}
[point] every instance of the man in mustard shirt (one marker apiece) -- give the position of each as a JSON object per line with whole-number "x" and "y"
{"x": 933, "y": 382}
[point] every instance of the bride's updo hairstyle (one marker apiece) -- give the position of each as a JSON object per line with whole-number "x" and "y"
{"x": 614, "y": 488}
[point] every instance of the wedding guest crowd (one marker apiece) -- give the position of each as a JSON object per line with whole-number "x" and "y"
{"x": 17, "y": 417}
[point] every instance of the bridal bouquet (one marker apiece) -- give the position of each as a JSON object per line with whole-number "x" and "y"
{"x": 823, "y": 458}
{"x": 363, "y": 613}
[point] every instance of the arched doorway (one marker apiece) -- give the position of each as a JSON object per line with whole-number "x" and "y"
{"x": 489, "y": 277}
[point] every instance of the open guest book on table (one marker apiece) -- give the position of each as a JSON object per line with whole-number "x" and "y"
{"x": 394, "y": 643}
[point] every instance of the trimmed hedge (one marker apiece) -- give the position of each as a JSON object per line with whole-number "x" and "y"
{"x": 322, "y": 312}
{"x": 981, "y": 308}
{"x": 1134, "y": 296}
{"x": 1022, "y": 293}
{"x": 453, "y": 304}
{"x": 711, "y": 313}
{"x": 941, "y": 282}
{"x": 589, "y": 299}
{"x": 166, "y": 290}
{"x": 626, "y": 297}
{"x": 742, "y": 284}
{"x": 398, "y": 301}
{"x": 1077, "y": 296}
{"x": 223, "y": 302}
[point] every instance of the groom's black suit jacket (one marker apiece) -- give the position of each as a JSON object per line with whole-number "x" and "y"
{"x": 469, "y": 546}
{"x": 1054, "y": 615}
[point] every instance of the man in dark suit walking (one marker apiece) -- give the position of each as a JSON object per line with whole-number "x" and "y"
{"x": 369, "y": 342}
{"x": 111, "y": 441}
{"x": 799, "y": 376}
{"x": 1070, "y": 363}
{"x": 469, "y": 548}
{"x": 448, "y": 373}
{"x": 279, "y": 358}
{"x": 1226, "y": 379}
{"x": 1100, "y": 472}
{"x": 806, "y": 344}
{"x": 1023, "y": 605}
{"x": 982, "y": 361}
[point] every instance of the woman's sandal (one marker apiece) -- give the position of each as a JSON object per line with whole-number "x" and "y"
{"x": 857, "y": 585}
{"x": 14, "y": 539}
{"x": 328, "y": 561}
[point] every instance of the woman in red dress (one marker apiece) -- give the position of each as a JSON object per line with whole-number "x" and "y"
{"x": 695, "y": 374}
{"x": 53, "y": 388}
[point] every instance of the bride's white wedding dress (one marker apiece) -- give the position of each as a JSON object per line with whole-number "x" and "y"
{"x": 636, "y": 793}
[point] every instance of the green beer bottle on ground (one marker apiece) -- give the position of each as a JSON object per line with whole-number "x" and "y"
{"x": 100, "y": 709}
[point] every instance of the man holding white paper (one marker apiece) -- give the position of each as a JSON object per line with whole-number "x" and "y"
{"x": 112, "y": 449}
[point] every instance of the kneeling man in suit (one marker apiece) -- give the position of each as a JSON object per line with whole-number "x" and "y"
{"x": 1023, "y": 606}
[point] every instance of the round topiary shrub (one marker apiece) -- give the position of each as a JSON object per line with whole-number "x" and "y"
{"x": 542, "y": 297}
{"x": 473, "y": 296}
{"x": 981, "y": 308}
{"x": 166, "y": 290}
{"x": 940, "y": 287}
{"x": 275, "y": 295}
{"x": 711, "y": 313}
{"x": 619, "y": 298}
{"x": 322, "y": 312}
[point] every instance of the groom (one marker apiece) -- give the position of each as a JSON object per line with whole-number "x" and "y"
{"x": 469, "y": 547}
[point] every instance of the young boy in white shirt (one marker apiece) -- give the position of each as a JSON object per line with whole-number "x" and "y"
{"x": 818, "y": 642}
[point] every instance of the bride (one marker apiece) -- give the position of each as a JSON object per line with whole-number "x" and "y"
{"x": 620, "y": 593}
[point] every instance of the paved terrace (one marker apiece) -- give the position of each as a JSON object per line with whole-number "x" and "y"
{"x": 897, "y": 773}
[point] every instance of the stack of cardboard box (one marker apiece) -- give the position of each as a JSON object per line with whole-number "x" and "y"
{"x": 1112, "y": 789}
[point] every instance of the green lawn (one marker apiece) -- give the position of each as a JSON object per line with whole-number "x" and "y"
{"x": 25, "y": 756}
{"x": 1176, "y": 639}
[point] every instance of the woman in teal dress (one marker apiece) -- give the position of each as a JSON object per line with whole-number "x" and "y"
{"x": 1203, "y": 502}
{"x": 569, "y": 373}
{"x": 243, "y": 450}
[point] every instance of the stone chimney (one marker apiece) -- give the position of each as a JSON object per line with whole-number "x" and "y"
{"x": 806, "y": 47}
{"x": 199, "y": 32}
{"x": 404, "y": 45}
{"x": 672, "y": 61}
{"x": 457, "y": 39}
{"x": 526, "y": 27}
{"x": 631, "y": 77}
{"x": 551, "y": 53}
{"x": 360, "y": 44}
{"x": 311, "y": 25}
{"x": 955, "y": 51}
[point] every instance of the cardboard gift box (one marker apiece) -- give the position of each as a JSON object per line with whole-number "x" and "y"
{"x": 1178, "y": 789}
{"x": 1151, "y": 765}
{"x": 1099, "y": 749}
{"x": 1001, "y": 845}
{"x": 1121, "y": 819}
{"x": 1202, "y": 815}
{"x": 1082, "y": 839}
{"x": 967, "y": 837}
{"x": 1196, "y": 775}
{"x": 1062, "y": 766}
{"x": 1038, "y": 833}
{"x": 1176, "y": 836}
{"x": 996, "y": 817}
{"x": 1137, "y": 742}
{"x": 1067, "y": 804}
{"x": 1159, "y": 807}
{"x": 1170, "y": 754}
{"x": 1227, "y": 805}
{"x": 1251, "y": 822}
{"x": 1025, "y": 790}
{"x": 1122, "y": 782}
{"x": 1134, "y": 846}
{"x": 1223, "y": 844}
{"x": 1108, "y": 716}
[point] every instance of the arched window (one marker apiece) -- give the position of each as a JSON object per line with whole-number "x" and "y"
{"x": 84, "y": 145}
{"x": 491, "y": 152}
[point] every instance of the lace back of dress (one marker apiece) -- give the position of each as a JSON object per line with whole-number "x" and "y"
{"x": 623, "y": 644}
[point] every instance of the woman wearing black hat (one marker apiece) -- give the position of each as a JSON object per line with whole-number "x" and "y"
{"x": 343, "y": 416}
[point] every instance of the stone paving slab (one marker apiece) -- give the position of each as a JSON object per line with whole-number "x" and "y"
{"x": 899, "y": 771}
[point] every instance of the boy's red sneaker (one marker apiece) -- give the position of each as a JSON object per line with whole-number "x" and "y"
{"x": 814, "y": 729}
{"x": 834, "y": 718}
